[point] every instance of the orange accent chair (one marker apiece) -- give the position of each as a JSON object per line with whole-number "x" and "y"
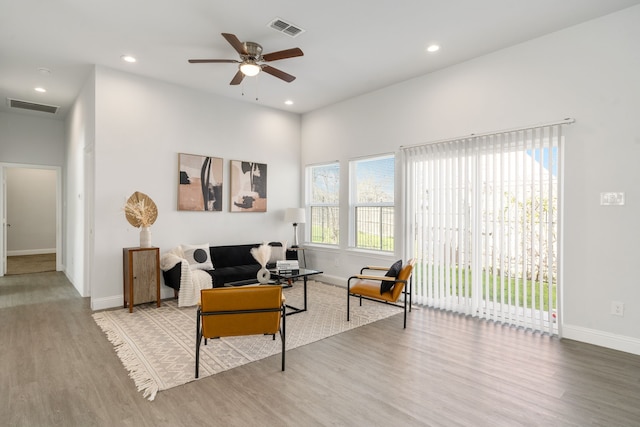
{"x": 241, "y": 310}
{"x": 367, "y": 286}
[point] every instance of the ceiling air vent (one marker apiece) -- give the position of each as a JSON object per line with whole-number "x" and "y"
{"x": 25, "y": 105}
{"x": 285, "y": 27}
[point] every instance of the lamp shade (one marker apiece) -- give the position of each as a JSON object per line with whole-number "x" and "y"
{"x": 295, "y": 215}
{"x": 249, "y": 68}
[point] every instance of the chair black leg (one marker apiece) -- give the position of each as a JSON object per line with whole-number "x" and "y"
{"x": 198, "y": 339}
{"x": 405, "y": 311}
{"x": 197, "y": 356}
{"x": 283, "y": 334}
{"x": 348, "y": 303}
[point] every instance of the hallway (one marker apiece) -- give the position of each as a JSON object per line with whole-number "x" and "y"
{"x": 25, "y": 264}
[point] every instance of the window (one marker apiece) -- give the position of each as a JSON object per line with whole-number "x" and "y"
{"x": 372, "y": 203}
{"x": 323, "y": 195}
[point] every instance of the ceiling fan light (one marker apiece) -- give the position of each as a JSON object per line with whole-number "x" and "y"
{"x": 250, "y": 68}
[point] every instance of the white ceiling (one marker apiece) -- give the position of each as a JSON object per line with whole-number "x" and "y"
{"x": 350, "y": 47}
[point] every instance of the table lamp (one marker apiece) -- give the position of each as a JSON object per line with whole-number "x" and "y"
{"x": 295, "y": 216}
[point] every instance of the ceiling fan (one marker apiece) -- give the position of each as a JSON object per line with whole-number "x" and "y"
{"x": 251, "y": 60}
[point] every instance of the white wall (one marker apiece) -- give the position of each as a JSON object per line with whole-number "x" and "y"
{"x": 30, "y": 139}
{"x": 141, "y": 126}
{"x": 588, "y": 72}
{"x": 80, "y": 136}
{"x": 31, "y": 211}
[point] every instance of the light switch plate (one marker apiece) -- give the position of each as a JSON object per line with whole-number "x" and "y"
{"x": 612, "y": 199}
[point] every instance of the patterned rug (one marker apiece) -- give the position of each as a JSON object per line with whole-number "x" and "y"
{"x": 157, "y": 344}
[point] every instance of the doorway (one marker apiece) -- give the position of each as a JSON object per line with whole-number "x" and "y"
{"x": 31, "y": 219}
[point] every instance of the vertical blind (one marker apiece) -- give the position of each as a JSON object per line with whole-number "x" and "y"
{"x": 482, "y": 222}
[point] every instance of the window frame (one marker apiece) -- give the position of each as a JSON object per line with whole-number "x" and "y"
{"x": 354, "y": 205}
{"x": 310, "y": 204}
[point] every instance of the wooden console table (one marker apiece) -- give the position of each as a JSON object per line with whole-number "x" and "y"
{"x": 141, "y": 267}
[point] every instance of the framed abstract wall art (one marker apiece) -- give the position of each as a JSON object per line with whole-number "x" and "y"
{"x": 200, "y": 183}
{"x": 248, "y": 186}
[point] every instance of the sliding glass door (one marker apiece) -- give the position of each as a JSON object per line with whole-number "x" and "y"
{"x": 482, "y": 222}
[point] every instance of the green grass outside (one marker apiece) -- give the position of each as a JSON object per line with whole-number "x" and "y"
{"x": 506, "y": 287}
{"x": 371, "y": 241}
{"x": 365, "y": 241}
{"x": 323, "y": 235}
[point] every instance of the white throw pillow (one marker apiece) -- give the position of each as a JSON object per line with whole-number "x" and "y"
{"x": 278, "y": 253}
{"x": 198, "y": 256}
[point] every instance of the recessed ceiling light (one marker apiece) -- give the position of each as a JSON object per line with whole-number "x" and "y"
{"x": 44, "y": 71}
{"x": 40, "y": 89}
{"x": 288, "y": 102}
{"x": 433, "y": 48}
{"x": 128, "y": 58}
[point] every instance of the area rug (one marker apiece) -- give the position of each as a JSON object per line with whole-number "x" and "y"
{"x": 157, "y": 344}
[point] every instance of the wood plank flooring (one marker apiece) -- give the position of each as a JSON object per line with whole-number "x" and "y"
{"x": 58, "y": 369}
{"x": 23, "y": 264}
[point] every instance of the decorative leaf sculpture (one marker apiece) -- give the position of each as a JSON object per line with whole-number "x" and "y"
{"x": 140, "y": 210}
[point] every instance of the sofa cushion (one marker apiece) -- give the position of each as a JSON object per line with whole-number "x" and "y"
{"x": 278, "y": 251}
{"x": 234, "y": 274}
{"x": 198, "y": 256}
{"x": 394, "y": 270}
{"x": 232, "y": 255}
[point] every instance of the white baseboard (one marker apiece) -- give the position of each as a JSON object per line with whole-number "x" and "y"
{"x": 332, "y": 280}
{"x": 32, "y": 252}
{"x": 117, "y": 301}
{"x": 107, "y": 302}
{"x": 602, "y": 339}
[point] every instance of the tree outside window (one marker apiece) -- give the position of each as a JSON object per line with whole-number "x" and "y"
{"x": 372, "y": 206}
{"x": 323, "y": 189}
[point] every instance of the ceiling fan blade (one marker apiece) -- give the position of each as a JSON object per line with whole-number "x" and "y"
{"x": 205, "y": 61}
{"x": 236, "y": 43}
{"x": 278, "y": 73}
{"x": 237, "y": 79}
{"x": 283, "y": 54}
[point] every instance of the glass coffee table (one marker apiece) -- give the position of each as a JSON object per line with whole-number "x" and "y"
{"x": 287, "y": 277}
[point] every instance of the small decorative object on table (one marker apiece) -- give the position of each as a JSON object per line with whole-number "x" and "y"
{"x": 141, "y": 212}
{"x": 262, "y": 254}
{"x": 289, "y": 265}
